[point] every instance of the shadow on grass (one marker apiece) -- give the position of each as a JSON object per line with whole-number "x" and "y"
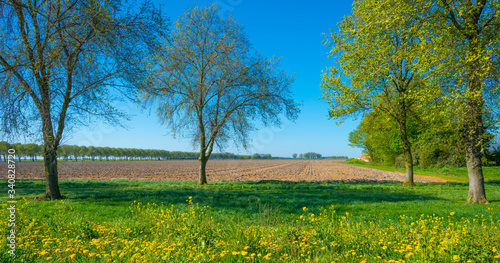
{"x": 492, "y": 183}
{"x": 234, "y": 197}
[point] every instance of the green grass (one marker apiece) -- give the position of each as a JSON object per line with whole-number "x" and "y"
{"x": 244, "y": 198}
{"x": 491, "y": 173}
{"x": 253, "y": 214}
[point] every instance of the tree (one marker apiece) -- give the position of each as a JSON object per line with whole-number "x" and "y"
{"x": 20, "y": 150}
{"x": 65, "y": 151}
{"x": 472, "y": 28}
{"x": 357, "y": 138}
{"x": 83, "y": 152}
{"x": 4, "y": 149}
{"x": 106, "y": 152}
{"x": 294, "y": 156}
{"x": 210, "y": 82}
{"x": 92, "y": 152}
{"x": 378, "y": 49}
{"x": 312, "y": 155}
{"x": 32, "y": 150}
{"x": 59, "y": 63}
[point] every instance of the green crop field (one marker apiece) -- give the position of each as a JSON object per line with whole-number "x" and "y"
{"x": 267, "y": 221}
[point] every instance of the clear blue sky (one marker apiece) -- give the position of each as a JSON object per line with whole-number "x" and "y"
{"x": 288, "y": 29}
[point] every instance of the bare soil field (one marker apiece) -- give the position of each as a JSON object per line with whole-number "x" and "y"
{"x": 217, "y": 170}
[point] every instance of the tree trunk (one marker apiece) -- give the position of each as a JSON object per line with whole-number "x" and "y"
{"x": 51, "y": 176}
{"x": 477, "y": 192}
{"x": 403, "y": 134}
{"x": 474, "y": 122}
{"x": 474, "y": 118}
{"x": 408, "y": 158}
{"x": 203, "y": 175}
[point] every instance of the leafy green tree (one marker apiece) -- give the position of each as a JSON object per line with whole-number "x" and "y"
{"x": 83, "y": 152}
{"x": 20, "y": 150}
{"x": 98, "y": 152}
{"x": 91, "y": 152}
{"x": 65, "y": 151}
{"x": 4, "y": 148}
{"x": 59, "y": 61}
{"x": 32, "y": 150}
{"x": 312, "y": 155}
{"x": 106, "y": 152}
{"x": 377, "y": 50}
{"x": 357, "y": 138}
{"x": 294, "y": 156}
{"x": 75, "y": 149}
{"x": 468, "y": 46}
{"x": 212, "y": 83}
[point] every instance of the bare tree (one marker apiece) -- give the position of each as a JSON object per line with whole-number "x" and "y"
{"x": 63, "y": 61}
{"x": 214, "y": 85}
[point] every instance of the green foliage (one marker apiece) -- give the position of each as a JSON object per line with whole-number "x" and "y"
{"x": 75, "y": 152}
{"x": 257, "y": 156}
{"x": 377, "y": 50}
{"x": 436, "y": 140}
{"x": 458, "y": 174}
{"x": 355, "y": 161}
{"x": 312, "y": 155}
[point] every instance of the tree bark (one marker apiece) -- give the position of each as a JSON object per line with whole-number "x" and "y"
{"x": 405, "y": 143}
{"x": 474, "y": 102}
{"x": 477, "y": 192}
{"x": 407, "y": 154}
{"x": 49, "y": 153}
{"x": 474, "y": 122}
{"x": 51, "y": 176}
{"x": 203, "y": 175}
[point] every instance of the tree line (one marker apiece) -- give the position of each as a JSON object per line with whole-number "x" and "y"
{"x": 424, "y": 77}
{"x": 32, "y": 151}
{"x": 378, "y": 136}
{"x": 308, "y": 155}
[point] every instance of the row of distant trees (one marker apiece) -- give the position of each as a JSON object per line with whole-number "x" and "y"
{"x": 313, "y": 155}
{"x": 257, "y": 156}
{"x": 31, "y": 152}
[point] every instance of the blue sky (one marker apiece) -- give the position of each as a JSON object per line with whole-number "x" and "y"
{"x": 288, "y": 29}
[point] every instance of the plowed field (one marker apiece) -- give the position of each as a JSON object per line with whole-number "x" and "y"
{"x": 217, "y": 170}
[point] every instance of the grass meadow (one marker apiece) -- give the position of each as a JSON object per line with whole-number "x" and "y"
{"x": 266, "y": 221}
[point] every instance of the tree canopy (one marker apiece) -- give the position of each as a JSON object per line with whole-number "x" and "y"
{"x": 212, "y": 85}
{"x": 377, "y": 49}
{"x": 434, "y": 64}
{"x": 63, "y": 61}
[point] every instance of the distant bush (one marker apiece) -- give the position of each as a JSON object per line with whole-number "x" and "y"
{"x": 355, "y": 161}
